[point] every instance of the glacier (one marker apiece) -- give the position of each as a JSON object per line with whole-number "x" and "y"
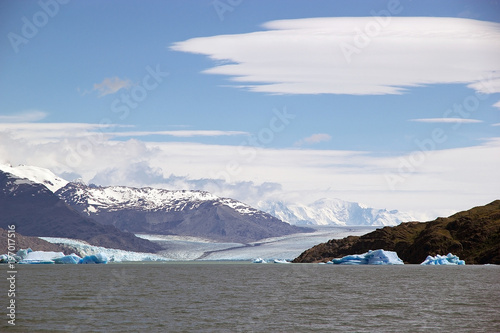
{"x": 377, "y": 257}
{"x": 113, "y": 255}
{"x": 449, "y": 259}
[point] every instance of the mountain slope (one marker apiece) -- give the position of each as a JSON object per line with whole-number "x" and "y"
{"x": 36, "y": 211}
{"x": 473, "y": 235}
{"x": 333, "y": 212}
{"x": 36, "y": 174}
{"x": 186, "y": 213}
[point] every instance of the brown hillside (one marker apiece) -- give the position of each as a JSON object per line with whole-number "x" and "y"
{"x": 473, "y": 235}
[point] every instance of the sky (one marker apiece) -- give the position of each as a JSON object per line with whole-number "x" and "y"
{"x": 393, "y": 104}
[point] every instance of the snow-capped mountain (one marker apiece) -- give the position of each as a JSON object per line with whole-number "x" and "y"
{"x": 96, "y": 199}
{"x": 36, "y": 174}
{"x": 333, "y": 212}
{"x": 37, "y": 211}
{"x": 184, "y": 213}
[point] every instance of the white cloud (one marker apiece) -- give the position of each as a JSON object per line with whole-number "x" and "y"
{"x": 435, "y": 182}
{"x": 111, "y": 85}
{"x": 497, "y": 104}
{"x": 181, "y": 133}
{"x": 27, "y": 116}
{"x": 55, "y": 132}
{"x": 356, "y": 55}
{"x": 447, "y": 120}
{"x": 313, "y": 139}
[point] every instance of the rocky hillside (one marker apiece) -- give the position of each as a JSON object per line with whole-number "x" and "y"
{"x": 36, "y": 211}
{"x": 473, "y": 235}
{"x": 35, "y": 243}
{"x": 184, "y": 213}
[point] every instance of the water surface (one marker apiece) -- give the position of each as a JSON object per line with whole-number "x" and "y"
{"x": 245, "y": 297}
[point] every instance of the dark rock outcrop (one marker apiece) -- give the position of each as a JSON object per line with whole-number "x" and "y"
{"x": 473, "y": 235}
{"x": 35, "y": 243}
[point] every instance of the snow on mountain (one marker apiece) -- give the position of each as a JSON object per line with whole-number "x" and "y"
{"x": 333, "y": 212}
{"x": 115, "y": 198}
{"x": 36, "y": 175}
{"x": 174, "y": 212}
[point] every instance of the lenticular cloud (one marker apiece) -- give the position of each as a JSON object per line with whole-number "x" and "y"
{"x": 357, "y": 55}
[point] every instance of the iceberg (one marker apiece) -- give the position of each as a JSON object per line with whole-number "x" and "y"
{"x": 98, "y": 258}
{"x": 259, "y": 261}
{"x": 377, "y": 257}
{"x": 38, "y": 257}
{"x": 69, "y": 259}
{"x": 449, "y": 259}
{"x": 281, "y": 261}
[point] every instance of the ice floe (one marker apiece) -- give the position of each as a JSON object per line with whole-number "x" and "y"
{"x": 259, "y": 261}
{"x": 377, "y": 257}
{"x": 449, "y": 259}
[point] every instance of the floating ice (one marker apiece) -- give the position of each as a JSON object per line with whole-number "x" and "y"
{"x": 281, "y": 261}
{"x": 98, "y": 258}
{"x": 38, "y": 257}
{"x": 377, "y": 257}
{"x": 259, "y": 261}
{"x": 70, "y": 259}
{"x": 450, "y": 259}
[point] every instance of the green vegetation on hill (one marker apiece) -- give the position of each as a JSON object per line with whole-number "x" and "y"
{"x": 473, "y": 235}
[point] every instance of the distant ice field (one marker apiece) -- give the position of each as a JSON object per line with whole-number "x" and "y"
{"x": 285, "y": 247}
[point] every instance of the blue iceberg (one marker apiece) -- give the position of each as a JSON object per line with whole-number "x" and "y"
{"x": 449, "y": 259}
{"x": 377, "y": 257}
{"x": 99, "y": 258}
{"x": 69, "y": 259}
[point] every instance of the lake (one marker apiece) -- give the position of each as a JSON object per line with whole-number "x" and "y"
{"x": 245, "y": 297}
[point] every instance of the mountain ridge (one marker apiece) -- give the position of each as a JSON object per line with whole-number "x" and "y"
{"x": 37, "y": 211}
{"x": 174, "y": 212}
{"x": 333, "y": 212}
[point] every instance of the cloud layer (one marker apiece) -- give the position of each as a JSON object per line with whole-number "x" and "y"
{"x": 426, "y": 181}
{"x": 356, "y": 55}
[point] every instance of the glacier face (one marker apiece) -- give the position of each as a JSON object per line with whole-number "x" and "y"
{"x": 113, "y": 255}
{"x": 333, "y": 212}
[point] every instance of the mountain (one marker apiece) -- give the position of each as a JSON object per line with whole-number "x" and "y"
{"x": 473, "y": 235}
{"x": 37, "y": 211}
{"x": 36, "y": 174}
{"x": 184, "y": 213}
{"x": 333, "y": 212}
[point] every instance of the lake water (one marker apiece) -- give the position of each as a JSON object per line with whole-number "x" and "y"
{"x": 245, "y": 297}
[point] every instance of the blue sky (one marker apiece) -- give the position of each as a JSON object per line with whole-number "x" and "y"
{"x": 187, "y": 88}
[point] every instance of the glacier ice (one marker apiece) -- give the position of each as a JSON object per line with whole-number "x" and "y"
{"x": 259, "y": 261}
{"x": 39, "y": 257}
{"x": 377, "y": 257}
{"x": 69, "y": 259}
{"x": 449, "y": 259}
{"x": 98, "y": 258}
{"x": 281, "y": 261}
{"x": 113, "y": 255}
